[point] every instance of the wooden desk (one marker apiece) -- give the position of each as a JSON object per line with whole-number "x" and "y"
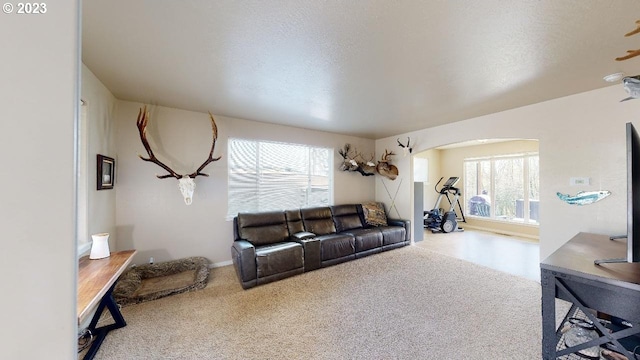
{"x": 96, "y": 280}
{"x": 570, "y": 274}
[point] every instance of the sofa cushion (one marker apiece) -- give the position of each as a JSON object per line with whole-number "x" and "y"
{"x": 346, "y": 217}
{"x": 342, "y": 210}
{"x": 374, "y": 214}
{"x": 318, "y": 220}
{"x": 392, "y": 234}
{"x": 263, "y": 228}
{"x": 366, "y": 239}
{"x": 276, "y": 258}
{"x": 294, "y": 221}
{"x": 336, "y": 246}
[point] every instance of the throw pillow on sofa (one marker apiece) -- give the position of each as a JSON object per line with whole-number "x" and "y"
{"x": 374, "y": 214}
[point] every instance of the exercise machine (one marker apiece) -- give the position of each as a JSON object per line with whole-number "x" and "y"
{"x": 439, "y": 220}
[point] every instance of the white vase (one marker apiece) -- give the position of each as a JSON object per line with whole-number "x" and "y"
{"x": 100, "y": 246}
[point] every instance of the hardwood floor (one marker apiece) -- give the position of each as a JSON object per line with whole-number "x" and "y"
{"x": 505, "y": 253}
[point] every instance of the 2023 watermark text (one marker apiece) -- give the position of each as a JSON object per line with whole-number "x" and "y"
{"x": 24, "y": 8}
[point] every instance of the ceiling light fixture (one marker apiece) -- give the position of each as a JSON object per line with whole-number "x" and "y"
{"x": 613, "y": 77}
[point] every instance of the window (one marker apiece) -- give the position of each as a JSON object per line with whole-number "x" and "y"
{"x": 503, "y": 187}
{"x": 265, "y": 176}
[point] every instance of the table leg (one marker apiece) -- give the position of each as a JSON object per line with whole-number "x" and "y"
{"x": 100, "y": 333}
{"x": 549, "y": 339}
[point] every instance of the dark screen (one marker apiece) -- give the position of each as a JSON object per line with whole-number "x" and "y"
{"x": 633, "y": 194}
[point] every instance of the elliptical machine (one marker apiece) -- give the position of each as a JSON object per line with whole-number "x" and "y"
{"x": 437, "y": 219}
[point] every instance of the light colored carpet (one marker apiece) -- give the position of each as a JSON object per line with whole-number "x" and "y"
{"x": 408, "y": 303}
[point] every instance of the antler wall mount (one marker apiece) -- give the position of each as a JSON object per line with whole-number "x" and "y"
{"x": 186, "y": 182}
{"x": 406, "y": 149}
{"x": 354, "y": 161}
{"x": 631, "y": 53}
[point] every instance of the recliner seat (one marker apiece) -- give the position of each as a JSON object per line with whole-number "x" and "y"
{"x": 263, "y": 250}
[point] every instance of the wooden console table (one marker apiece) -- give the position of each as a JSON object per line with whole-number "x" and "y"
{"x": 570, "y": 274}
{"x": 96, "y": 280}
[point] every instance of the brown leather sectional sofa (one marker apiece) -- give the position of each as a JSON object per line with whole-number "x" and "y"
{"x": 270, "y": 246}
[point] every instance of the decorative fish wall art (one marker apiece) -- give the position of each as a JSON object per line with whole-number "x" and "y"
{"x": 584, "y": 197}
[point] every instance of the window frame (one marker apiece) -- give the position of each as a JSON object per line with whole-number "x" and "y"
{"x": 230, "y": 187}
{"x": 526, "y": 156}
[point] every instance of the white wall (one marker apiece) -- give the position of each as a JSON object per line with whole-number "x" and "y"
{"x": 100, "y": 104}
{"x": 150, "y": 213}
{"x": 38, "y": 106}
{"x": 580, "y": 135}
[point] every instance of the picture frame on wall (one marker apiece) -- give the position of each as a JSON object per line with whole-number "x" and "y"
{"x": 106, "y": 172}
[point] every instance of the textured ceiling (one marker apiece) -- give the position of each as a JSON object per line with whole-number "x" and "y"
{"x": 365, "y": 68}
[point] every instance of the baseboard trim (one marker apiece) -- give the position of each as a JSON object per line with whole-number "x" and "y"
{"x": 502, "y": 232}
{"x": 220, "y": 264}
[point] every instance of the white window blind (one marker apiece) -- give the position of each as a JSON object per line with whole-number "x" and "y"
{"x": 266, "y": 176}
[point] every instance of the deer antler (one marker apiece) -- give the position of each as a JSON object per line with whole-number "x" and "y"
{"x": 345, "y": 152}
{"x": 143, "y": 119}
{"x": 634, "y": 31}
{"x": 386, "y": 155}
{"x": 210, "y": 159}
{"x": 405, "y": 148}
{"x": 631, "y": 53}
{"x": 370, "y": 159}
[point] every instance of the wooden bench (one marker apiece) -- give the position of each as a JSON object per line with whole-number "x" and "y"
{"x": 96, "y": 280}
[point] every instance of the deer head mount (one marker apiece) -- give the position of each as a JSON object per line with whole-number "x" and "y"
{"x": 385, "y": 169}
{"x": 186, "y": 182}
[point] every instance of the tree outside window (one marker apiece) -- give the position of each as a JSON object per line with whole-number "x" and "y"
{"x": 503, "y": 188}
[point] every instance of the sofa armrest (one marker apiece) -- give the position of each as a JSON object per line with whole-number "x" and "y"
{"x": 302, "y": 235}
{"x": 404, "y": 223}
{"x": 243, "y": 254}
{"x": 311, "y": 247}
